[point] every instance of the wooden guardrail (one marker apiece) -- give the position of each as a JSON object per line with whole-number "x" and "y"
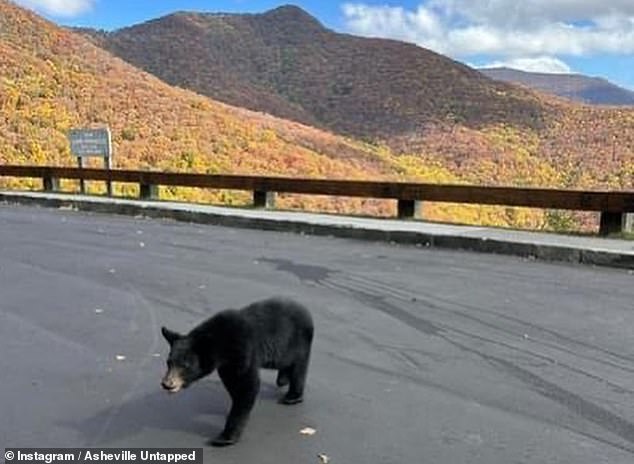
{"x": 615, "y": 206}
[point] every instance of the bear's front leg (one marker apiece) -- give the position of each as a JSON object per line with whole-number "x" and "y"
{"x": 243, "y": 387}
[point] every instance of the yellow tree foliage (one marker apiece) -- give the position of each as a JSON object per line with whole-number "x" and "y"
{"x": 52, "y": 80}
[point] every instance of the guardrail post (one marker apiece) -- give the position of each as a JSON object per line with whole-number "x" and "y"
{"x": 148, "y": 191}
{"x": 628, "y": 223}
{"x": 409, "y": 209}
{"x": 616, "y": 223}
{"x": 263, "y": 199}
{"x": 50, "y": 184}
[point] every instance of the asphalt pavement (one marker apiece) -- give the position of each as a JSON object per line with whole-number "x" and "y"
{"x": 421, "y": 355}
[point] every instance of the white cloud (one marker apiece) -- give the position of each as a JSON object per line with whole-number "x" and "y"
{"x": 512, "y": 13}
{"x": 556, "y": 38}
{"x": 66, "y": 8}
{"x": 508, "y": 29}
{"x": 541, "y": 64}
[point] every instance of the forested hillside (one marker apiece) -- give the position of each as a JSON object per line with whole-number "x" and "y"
{"x": 52, "y": 79}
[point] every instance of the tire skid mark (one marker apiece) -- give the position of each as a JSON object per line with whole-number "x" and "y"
{"x": 140, "y": 370}
{"x": 406, "y": 357}
{"x": 410, "y": 299}
{"x": 365, "y": 290}
{"x": 68, "y": 342}
{"x": 378, "y": 302}
{"x": 504, "y": 408}
{"x": 575, "y": 403}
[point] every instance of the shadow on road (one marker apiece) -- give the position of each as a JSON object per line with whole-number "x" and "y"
{"x": 200, "y": 411}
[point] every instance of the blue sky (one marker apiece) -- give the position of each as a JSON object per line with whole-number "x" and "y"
{"x": 594, "y": 37}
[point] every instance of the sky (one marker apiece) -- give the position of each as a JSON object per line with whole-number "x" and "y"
{"x": 592, "y": 37}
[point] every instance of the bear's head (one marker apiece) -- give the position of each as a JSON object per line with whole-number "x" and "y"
{"x": 183, "y": 363}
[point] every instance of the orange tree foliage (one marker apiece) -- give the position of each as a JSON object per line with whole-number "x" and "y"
{"x": 52, "y": 80}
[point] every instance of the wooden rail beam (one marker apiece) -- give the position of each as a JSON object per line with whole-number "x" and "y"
{"x": 615, "y": 207}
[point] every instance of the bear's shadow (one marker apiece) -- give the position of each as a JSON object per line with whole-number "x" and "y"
{"x": 199, "y": 410}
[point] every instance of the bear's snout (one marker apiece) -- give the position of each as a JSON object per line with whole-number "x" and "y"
{"x": 166, "y": 385}
{"x": 172, "y": 384}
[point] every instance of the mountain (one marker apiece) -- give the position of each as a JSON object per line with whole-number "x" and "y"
{"x": 467, "y": 129}
{"x": 286, "y": 63}
{"x": 52, "y": 79}
{"x": 577, "y": 87}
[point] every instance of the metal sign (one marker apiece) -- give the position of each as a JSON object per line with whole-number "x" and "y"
{"x": 90, "y": 142}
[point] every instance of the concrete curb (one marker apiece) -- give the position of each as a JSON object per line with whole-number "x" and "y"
{"x": 266, "y": 220}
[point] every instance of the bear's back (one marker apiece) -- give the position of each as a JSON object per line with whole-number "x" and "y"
{"x": 280, "y": 327}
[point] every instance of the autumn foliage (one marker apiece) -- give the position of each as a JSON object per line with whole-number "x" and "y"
{"x": 52, "y": 79}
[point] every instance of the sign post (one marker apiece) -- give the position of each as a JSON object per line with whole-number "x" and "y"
{"x": 92, "y": 142}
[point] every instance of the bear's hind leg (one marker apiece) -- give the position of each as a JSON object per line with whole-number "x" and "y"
{"x": 298, "y": 372}
{"x": 243, "y": 389}
{"x": 284, "y": 376}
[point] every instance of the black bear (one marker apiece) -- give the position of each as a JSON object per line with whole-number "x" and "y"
{"x": 276, "y": 333}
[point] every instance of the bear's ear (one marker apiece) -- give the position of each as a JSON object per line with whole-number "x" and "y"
{"x": 170, "y": 336}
